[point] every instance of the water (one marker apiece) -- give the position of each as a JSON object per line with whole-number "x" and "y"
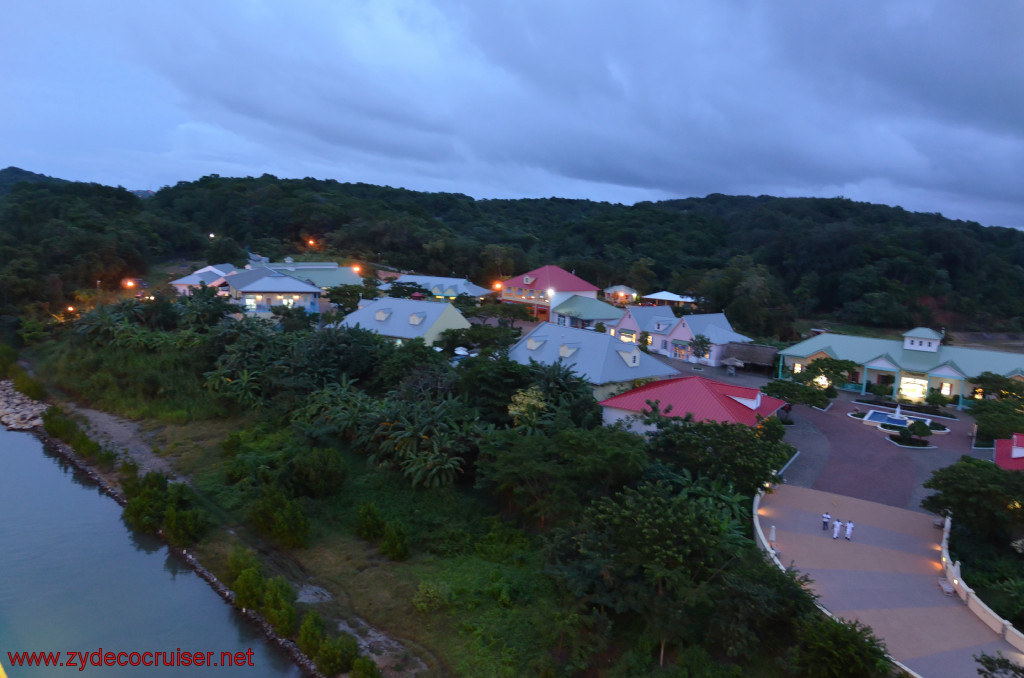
{"x": 885, "y": 418}
{"x": 74, "y": 578}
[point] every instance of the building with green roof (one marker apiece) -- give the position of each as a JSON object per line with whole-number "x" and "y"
{"x": 914, "y": 366}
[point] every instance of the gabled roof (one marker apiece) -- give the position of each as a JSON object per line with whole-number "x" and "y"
{"x": 669, "y": 296}
{"x": 268, "y": 280}
{"x": 440, "y": 286}
{"x": 923, "y": 333}
{"x": 403, "y": 318}
{"x": 648, "y": 317}
{"x": 714, "y": 326}
{"x": 206, "y": 274}
{"x": 705, "y": 399}
{"x": 968, "y": 361}
{"x": 586, "y": 308}
{"x": 322, "y": 274}
{"x": 550, "y": 277}
{"x": 597, "y": 357}
{"x": 615, "y": 289}
{"x": 197, "y": 278}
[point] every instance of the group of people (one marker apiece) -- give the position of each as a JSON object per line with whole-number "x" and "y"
{"x": 837, "y": 525}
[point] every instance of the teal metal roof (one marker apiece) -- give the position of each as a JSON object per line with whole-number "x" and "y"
{"x": 923, "y": 333}
{"x": 968, "y": 361}
{"x": 586, "y": 308}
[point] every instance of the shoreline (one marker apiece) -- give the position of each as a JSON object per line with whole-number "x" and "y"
{"x": 11, "y": 399}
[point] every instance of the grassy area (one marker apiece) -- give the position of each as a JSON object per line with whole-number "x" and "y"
{"x": 474, "y": 590}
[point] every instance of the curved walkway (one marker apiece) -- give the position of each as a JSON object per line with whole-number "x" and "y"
{"x": 885, "y": 577}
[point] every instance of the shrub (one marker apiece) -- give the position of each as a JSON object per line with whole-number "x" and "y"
{"x": 311, "y": 635}
{"x": 371, "y": 525}
{"x": 395, "y": 544}
{"x": 280, "y": 518}
{"x": 25, "y": 384}
{"x": 364, "y": 667}
{"x": 338, "y": 655}
{"x": 831, "y": 648}
{"x": 239, "y": 560}
{"x": 248, "y": 588}
{"x": 429, "y": 597}
{"x": 8, "y": 357}
{"x": 279, "y": 605}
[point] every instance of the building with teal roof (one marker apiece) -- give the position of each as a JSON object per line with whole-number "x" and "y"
{"x": 914, "y": 366}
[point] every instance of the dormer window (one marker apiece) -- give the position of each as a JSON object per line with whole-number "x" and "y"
{"x": 566, "y": 350}
{"x": 533, "y": 344}
{"x": 417, "y": 318}
{"x": 528, "y": 279}
{"x": 382, "y": 314}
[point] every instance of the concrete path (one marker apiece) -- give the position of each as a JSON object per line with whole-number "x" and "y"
{"x": 885, "y": 577}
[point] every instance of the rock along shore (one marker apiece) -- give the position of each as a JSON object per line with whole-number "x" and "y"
{"x": 20, "y": 413}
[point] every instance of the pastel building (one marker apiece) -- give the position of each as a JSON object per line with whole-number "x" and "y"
{"x": 403, "y": 319}
{"x": 704, "y": 399}
{"x": 545, "y": 288}
{"x": 671, "y": 336}
{"x": 605, "y": 363}
{"x": 913, "y": 366}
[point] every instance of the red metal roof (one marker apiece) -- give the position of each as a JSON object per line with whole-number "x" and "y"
{"x": 706, "y": 399}
{"x": 550, "y": 277}
{"x": 1004, "y": 453}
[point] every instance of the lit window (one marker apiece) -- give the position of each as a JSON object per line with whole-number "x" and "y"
{"x": 650, "y": 340}
{"x": 946, "y": 388}
{"x": 797, "y": 368}
{"x": 250, "y": 304}
{"x": 611, "y": 332}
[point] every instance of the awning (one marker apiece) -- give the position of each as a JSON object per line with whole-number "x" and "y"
{"x": 680, "y": 342}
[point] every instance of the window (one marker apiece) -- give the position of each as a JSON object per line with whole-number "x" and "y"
{"x": 929, "y": 344}
{"x": 612, "y": 331}
{"x": 250, "y": 304}
{"x": 797, "y": 368}
{"x": 946, "y": 388}
{"x": 664, "y": 344}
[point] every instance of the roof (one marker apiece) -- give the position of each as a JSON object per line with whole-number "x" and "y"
{"x": 669, "y": 296}
{"x": 261, "y": 279}
{"x": 647, "y": 318}
{"x": 206, "y": 274}
{"x": 1004, "y": 453}
{"x": 322, "y": 274}
{"x": 714, "y": 326}
{"x": 597, "y": 357}
{"x": 586, "y": 308}
{"x": 969, "y": 362}
{"x": 615, "y": 289}
{"x": 403, "y": 318}
{"x": 550, "y": 277}
{"x": 198, "y": 278}
{"x": 705, "y": 399}
{"x": 440, "y": 286}
{"x": 923, "y": 333}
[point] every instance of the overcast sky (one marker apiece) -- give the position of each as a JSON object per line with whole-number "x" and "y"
{"x": 911, "y": 103}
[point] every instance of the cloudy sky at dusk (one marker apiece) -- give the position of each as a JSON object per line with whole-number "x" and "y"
{"x": 911, "y": 103}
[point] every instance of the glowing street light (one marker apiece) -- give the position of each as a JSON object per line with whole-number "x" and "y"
{"x": 355, "y": 269}
{"x": 211, "y": 235}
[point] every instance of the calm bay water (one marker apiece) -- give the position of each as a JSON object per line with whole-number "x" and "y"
{"x": 74, "y": 578}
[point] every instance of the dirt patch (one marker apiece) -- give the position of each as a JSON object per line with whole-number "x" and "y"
{"x": 123, "y": 436}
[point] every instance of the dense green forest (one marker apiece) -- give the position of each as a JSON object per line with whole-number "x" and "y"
{"x": 478, "y": 509}
{"x": 763, "y": 260}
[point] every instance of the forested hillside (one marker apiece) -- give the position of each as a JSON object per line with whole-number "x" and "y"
{"x": 764, "y": 260}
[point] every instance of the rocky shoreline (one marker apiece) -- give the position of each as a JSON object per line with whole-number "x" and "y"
{"x": 20, "y": 413}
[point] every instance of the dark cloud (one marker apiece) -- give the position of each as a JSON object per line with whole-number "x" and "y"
{"x": 902, "y": 102}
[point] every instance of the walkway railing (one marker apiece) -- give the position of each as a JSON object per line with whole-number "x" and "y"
{"x": 982, "y": 611}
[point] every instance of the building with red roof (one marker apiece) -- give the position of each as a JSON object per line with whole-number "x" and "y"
{"x": 544, "y": 288}
{"x": 1010, "y": 453}
{"x": 706, "y": 399}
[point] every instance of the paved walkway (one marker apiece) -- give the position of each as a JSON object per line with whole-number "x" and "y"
{"x": 886, "y": 577}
